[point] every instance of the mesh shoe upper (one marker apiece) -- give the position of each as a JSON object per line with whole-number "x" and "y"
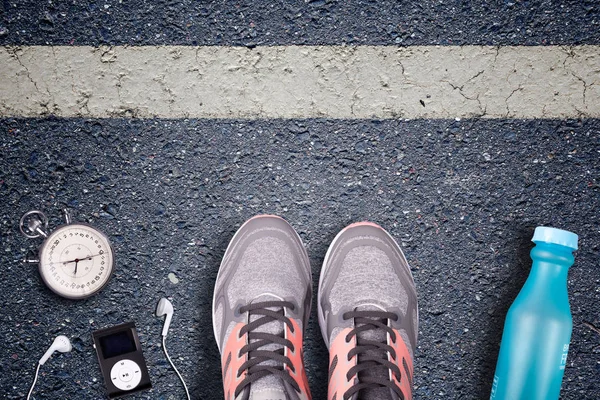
{"x": 365, "y": 281}
{"x": 260, "y": 307}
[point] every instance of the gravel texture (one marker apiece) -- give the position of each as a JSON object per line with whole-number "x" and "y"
{"x": 250, "y": 23}
{"x": 462, "y": 198}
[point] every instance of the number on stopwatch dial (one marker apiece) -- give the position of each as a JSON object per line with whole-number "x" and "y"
{"x": 76, "y": 261}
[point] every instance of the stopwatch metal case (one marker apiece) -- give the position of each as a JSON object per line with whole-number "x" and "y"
{"x": 31, "y": 225}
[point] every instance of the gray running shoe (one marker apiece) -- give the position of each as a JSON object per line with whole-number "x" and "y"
{"x": 368, "y": 315}
{"x": 261, "y": 306}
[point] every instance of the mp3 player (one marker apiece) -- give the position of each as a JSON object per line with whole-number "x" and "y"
{"x": 121, "y": 360}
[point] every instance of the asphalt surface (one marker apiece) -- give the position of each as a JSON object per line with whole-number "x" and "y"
{"x": 251, "y": 23}
{"x": 462, "y": 198}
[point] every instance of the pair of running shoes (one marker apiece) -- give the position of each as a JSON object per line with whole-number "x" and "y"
{"x": 367, "y": 306}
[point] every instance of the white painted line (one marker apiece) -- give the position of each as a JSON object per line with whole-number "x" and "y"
{"x": 301, "y": 82}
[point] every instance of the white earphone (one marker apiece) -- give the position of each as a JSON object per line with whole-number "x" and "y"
{"x": 61, "y": 344}
{"x": 164, "y": 307}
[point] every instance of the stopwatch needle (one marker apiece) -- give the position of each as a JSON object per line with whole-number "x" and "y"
{"x": 81, "y": 259}
{"x": 76, "y": 261}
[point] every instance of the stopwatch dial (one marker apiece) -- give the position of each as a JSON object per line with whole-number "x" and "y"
{"x": 76, "y": 261}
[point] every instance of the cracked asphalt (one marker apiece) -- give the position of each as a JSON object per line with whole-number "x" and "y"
{"x": 461, "y": 195}
{"x": 366, "y": 82}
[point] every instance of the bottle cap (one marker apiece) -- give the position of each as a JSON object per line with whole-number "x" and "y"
{"x": 555, "y": 236}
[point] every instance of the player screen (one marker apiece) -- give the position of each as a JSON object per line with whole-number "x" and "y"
{"x": 117, "y": 344}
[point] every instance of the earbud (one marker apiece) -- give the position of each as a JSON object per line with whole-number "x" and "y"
{"x": 165, "y": 307}
{"x": 61, "y": 343}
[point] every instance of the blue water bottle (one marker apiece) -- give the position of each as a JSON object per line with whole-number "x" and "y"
{"x": 537, "y": 330}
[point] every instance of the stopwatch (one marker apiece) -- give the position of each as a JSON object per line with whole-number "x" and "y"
{"x": 75, "y": 261}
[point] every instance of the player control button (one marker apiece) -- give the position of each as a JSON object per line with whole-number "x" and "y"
{"x": 126, "y": 375}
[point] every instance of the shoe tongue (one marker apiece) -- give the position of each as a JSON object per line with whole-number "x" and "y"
{"x": 269, "y": 387}
{"x": 375, "y": 335}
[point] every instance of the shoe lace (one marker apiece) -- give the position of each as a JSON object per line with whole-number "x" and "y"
{"x": 254, "y": 367}
{"x": 371, "y": 354}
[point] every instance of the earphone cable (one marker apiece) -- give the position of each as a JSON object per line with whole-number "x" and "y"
{"x": 164, "y": 345}
{"x": 37, "y": 370}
